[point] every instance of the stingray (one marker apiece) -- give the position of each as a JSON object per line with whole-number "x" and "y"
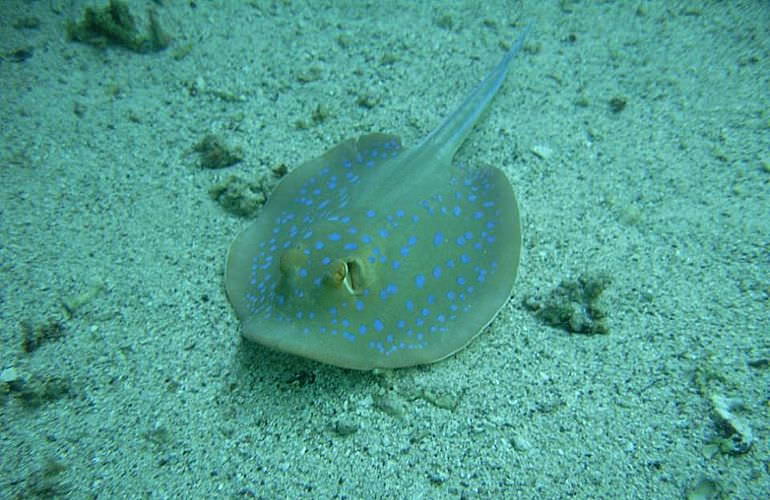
{"x": 371, "y": 256}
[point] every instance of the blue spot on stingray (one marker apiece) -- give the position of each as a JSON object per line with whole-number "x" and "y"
{"x": 425, "y": 311}
{"x": 362, "y": 329}
{"x": 437, "y": 272}
{"x": 378, "y": 325}
{"x": 438, "y": 238}
{"x": 319, "y": 245}
{"x": 412, "y": 240}
{"x": 464, "y": 258}
{"x": 366, "y": 239}
{"x": 335, "y": 236}
{"x": 395, "y": 264}
{"x": 326, "y": 260}
{"x": 457, "y": 210}
{"x": 359, "y": 305}
{"x": 371, "y": 213}
{"x": 419, "y": 280}
{"x": 350, "y": 246}
{"x": 404, "y": 251}
{"x": 409, "y": 305}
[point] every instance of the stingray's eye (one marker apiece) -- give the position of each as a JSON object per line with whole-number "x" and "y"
{"x": 336, "y": 274}
{"x": 359, "y": 275}
{"x": 291, "y": 260}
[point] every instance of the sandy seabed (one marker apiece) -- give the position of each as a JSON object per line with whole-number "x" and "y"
{"x": 636, "y": 136}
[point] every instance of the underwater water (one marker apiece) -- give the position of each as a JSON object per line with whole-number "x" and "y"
{"x": 630, "y": 360}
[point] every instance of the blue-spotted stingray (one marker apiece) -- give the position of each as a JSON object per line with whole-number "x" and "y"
{"x": 373, "y": 257}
